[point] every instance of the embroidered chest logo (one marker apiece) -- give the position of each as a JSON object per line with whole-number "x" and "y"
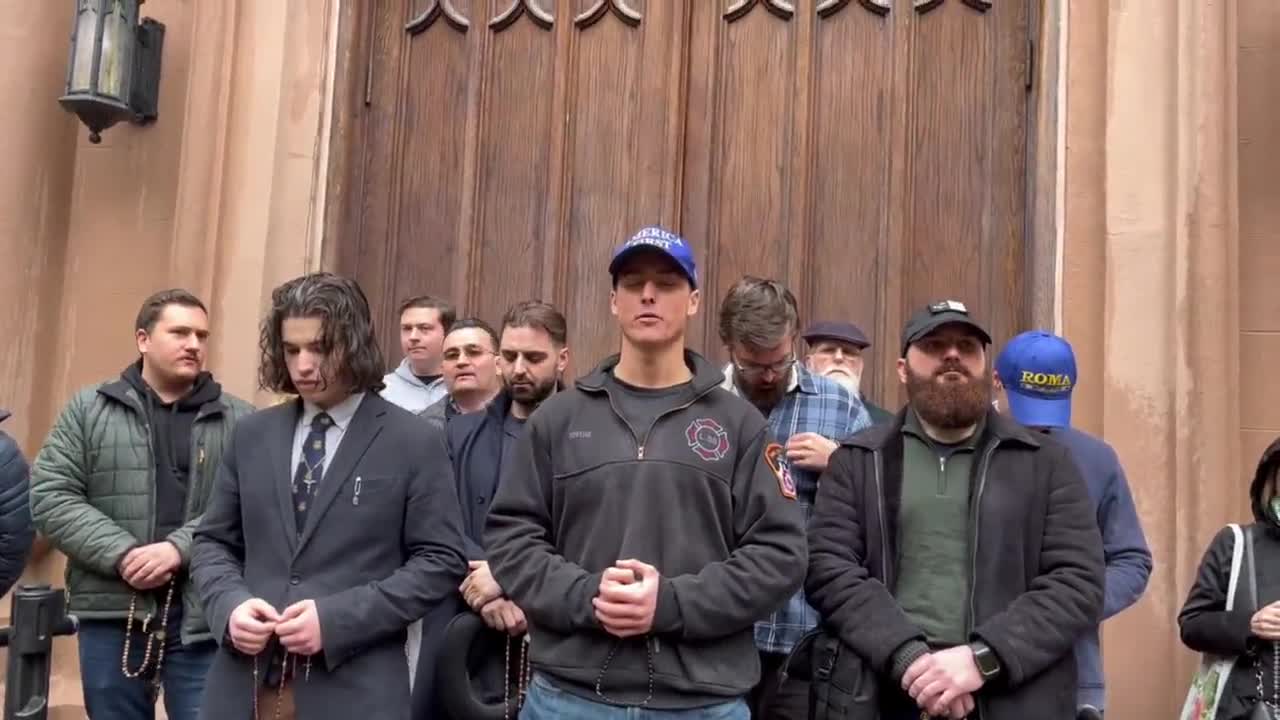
{"x": 776, "y": 456}
{"x": 707, "y": 439}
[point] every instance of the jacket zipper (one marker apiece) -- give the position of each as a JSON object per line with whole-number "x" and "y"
{"x": 151, "y": 485}
{"x": 973, "y": 539}
{"x": 884, "y": 529}
{"x": 657, "y": 647}
{"x": 640, "y": 441}
{"x": 149, "y": 606}
{"x": 654, "y": 645}
{"x": 634, "y": 437}
{"x": 197, "y": 473}
{"x": 973, "y": 551}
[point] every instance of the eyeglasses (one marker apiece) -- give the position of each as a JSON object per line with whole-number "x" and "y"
{"x": 473, "y": 352}
{"x": 750, "y": 369}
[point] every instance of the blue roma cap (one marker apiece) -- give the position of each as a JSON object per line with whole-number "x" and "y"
{"x": 664, "y": 241}
{"x": 1038, "y": 370}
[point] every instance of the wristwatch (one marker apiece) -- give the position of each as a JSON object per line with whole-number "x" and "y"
{"x": 985, "y": 657}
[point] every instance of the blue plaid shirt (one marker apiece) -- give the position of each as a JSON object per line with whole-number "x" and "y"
{"x": 811, "y": 404}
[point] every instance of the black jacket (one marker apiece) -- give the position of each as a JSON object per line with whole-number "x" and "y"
{"x": 1204, "y": 622}
{"x": 1037, "y": 568}
{"x": 879, "y": 416}
{"x": 16, "y": 529}
{"x": 699, "y": 503}
{"x": 475, "y": 442}
{"x": 476, "y": 445}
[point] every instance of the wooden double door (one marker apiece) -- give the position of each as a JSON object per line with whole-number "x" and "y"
{"x": 870, "y": 153}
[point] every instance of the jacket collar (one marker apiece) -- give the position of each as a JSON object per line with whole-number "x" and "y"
{"x": 997, "y": 427}
{"x": 120, "y": 391}
{"x": 500, "y": 406}
{"x": 706, "y": 377}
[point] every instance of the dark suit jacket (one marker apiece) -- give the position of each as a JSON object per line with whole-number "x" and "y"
{"x": 373, "y": 566}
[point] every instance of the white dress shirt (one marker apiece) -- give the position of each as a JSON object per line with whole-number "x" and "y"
{"x": 341, "y": 415}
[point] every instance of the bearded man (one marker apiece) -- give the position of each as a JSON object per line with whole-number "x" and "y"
{"x": 954, "y": 552}
{"x": 836, "y": 351}
{"x": 533, "y": 353}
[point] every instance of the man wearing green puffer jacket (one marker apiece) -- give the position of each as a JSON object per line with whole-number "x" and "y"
{"x": 119, "y": 486}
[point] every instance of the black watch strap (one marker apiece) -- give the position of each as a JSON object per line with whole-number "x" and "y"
{"x": 985, "y": 657}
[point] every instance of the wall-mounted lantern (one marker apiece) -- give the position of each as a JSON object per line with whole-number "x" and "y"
{"x": 114, "y": 71}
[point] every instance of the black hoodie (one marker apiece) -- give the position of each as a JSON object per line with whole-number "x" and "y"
{"x": 693, "y": 496}
{"x": 1205, "y": 623}
{"x": 171, "y": 425}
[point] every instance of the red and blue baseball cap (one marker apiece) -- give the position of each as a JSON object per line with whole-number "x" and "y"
{"x": 1038, "y": 370}
{"x": 664, "y": 241}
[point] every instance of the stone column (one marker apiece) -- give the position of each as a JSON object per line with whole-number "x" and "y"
{"x": 37, "y": 142}
{"x": 273, "y": 174}
{"x": 1150, "y": 294}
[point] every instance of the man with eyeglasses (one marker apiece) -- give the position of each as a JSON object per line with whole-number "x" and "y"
{"x": 469, "y": 362}
{"x": 835, "y": 351}
{"x": 954, "y": 553}
{"x": 807, "y": 416}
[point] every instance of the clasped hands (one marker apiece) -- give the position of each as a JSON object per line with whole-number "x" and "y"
{"x": 625, "y": 601}
{"x": 942, "y": 683}
{"x": 627, "y": 598}
{"x": 254, "y": 621}
{"x": 485, "y": 596}
{"x": 147, "y": 567}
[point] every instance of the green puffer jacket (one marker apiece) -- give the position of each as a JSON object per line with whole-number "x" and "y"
{"x": 93, "y": 496}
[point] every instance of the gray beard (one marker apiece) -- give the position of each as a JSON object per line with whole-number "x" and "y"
{"x": 854, "y": 385}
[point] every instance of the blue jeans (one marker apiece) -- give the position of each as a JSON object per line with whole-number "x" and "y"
{"x": 547, "y": 702}
{"x": 109, "y": 695}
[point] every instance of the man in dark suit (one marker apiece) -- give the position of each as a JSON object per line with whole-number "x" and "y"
{"x": 333, "y": 525}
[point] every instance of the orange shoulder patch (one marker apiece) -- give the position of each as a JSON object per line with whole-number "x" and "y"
{"x": 776, "y": 456}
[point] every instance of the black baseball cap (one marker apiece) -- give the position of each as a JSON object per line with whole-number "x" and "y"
{"x": 937, "y": 314}
{"x": 836, "y": 330}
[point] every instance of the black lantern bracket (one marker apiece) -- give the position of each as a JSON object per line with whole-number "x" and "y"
{"x": 145, "y": 95}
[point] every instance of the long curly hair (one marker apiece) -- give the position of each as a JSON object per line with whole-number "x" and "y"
{"x": 353, "y": 356}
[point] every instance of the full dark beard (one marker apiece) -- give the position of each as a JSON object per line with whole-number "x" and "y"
{"x": 532, "y": 396}
{"x": 950, "y": 406}
{"x": 765, "y": 399}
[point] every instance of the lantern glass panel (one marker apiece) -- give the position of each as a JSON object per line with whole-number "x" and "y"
{"x": 82, "y": 61}
{"x": 117, "y": 51}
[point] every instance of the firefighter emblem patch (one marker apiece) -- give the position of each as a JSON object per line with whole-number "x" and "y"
{"x": 707, "y": 439}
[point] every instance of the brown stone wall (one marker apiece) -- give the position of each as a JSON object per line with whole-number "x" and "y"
{"x": 1259, "y": 149}
{"x": 219, "y": 196}
{"x": 1152, "y": 258}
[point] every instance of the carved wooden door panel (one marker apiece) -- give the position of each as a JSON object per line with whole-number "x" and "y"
{"x": 870, "y": 152}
